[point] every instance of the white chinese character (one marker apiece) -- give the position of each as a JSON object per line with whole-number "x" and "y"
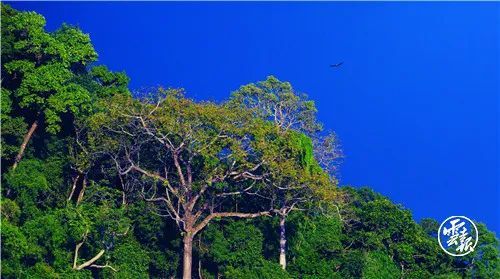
{"x": 458, "y": 235}
{"x": 452, "y": 232}
{"x": 465, "y": 242}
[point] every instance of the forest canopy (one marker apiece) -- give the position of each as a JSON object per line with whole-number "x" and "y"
{"x": 101, "y": 182}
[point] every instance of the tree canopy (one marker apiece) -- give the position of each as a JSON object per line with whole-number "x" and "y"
{"x": 98, "y": 182}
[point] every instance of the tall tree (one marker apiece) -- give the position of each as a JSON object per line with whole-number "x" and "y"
{"x": 279, "y": 103}
{"x": 189, "y": 159}
{"x": 293, "y": 114}
{"x": 39, "y": 68}
{"x": 132, "y": 162}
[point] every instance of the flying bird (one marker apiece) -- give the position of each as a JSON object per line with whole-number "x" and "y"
{"x": 336, "y": 65}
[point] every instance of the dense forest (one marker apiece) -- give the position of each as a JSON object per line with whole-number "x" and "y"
{"x": 102, "y": 182}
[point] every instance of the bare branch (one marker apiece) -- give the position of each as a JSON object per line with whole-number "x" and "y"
{"x": 91, "y": 261}
{"x": 103, "y": 266}
{"x": 207, "y": 219}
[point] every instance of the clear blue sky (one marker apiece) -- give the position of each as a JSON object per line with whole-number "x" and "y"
{"x": 415, "y": 103}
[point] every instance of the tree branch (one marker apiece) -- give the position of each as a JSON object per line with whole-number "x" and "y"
{"x": 91, "y": 261}
{"x": 104, "y": 266}
{"x": 207, "y": 219}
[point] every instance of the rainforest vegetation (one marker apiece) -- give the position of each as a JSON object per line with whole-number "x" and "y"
{"x": 102, "y": 182}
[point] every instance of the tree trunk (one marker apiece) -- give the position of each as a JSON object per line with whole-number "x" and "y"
{"x": 282, "y": 242}
{"x": 188, "y": 256}
{"x": 26, "y": 140}
{"x": 75, "y": 183}
{"x": 200, "y": 273}
{"x": 82, "y": 191}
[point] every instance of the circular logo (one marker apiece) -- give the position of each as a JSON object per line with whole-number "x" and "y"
{"x": 458, "y": 236}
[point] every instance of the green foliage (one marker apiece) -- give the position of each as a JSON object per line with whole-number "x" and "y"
{"x": 28, "y": 185}
{"x": 10, "y": 210}
{"x": 130, "y": 260}
{"x": 13, "y": 127}
{"x": 277, "y": 101}
{"x": 302, "y": 146}
{"x": 39, "y": 66}
{"x": 371, "y": 264}
{"x": 30, "y": 175}
{"x": 236, "y": 248}
{"x": 264, "y": 270}
{"x": 237, "y": 244}
{"x": 486, "y": 257}
{"x": 14, "y": 247}
{"x": 47, "y": 76}
{"x": 380, "y": 265}
{"x": 107, "y": 83}
{"x": 42, "y": 270}
{"x": 315, "y": 246}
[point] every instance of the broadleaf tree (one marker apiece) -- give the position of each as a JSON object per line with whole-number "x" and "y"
{"x": 297, "y": 176}
{"x": 98, "y": 193}
{"x": 38, "y": 68}
{"x": 189, "y": 159}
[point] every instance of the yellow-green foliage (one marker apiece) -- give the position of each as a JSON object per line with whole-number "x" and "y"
{"x": 88, "y": 120}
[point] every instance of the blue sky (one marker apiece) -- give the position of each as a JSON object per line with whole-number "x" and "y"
{"x": 415, "y": 103}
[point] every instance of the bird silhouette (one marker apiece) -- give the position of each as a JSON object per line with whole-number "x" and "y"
{"x": 336, "y": 65}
